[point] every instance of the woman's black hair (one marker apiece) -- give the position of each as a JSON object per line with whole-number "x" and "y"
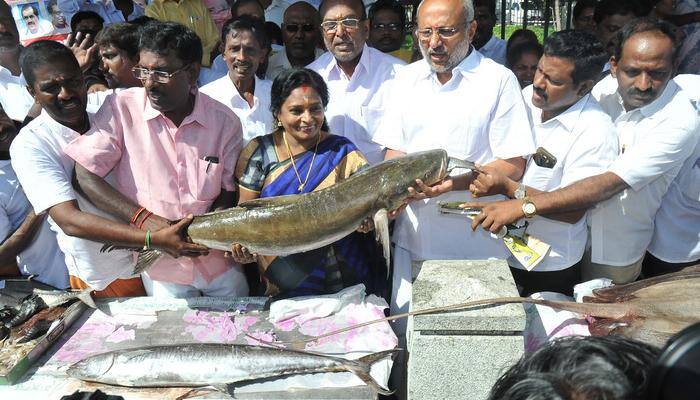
{"x": 291, "y": 79}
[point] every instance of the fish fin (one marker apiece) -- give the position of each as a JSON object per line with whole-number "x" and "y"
{"x": 381, "y": 231}
{"x": 146, "y": 259}
{"x": 85, "y": 296}
{"x": 361, "y": 367}
{"x": 456, "y": 163}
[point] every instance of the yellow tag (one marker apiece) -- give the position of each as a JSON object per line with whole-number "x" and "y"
{"x": 529, "y": 252}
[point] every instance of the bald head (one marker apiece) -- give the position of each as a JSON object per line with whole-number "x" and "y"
{"x": 300, "y": 9}
{"x": 466, "y": 7}
{"x": 300, "y": 33}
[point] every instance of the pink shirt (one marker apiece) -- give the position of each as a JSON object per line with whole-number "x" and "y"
{"x": 161, "y": 166}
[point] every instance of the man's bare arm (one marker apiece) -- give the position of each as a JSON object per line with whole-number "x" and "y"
{"x": 110, "y": 200}
{"x": 20, "y": 238}
{"x": 580, "y": 195}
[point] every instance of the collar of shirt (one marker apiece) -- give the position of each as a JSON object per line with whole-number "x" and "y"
{"x": 238, "y": 100}
{"x": 569, "y": 117}
{"x": 4, "y": 163}
{"x": 651, "y": 108}
{"x": 332, "y": 71}
{"x": 467, "y": 66}
{"x": 198, "y": 113}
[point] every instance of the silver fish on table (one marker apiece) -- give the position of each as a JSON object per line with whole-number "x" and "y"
{"x": 53, "y": 298}
{"x": 293, "y": 224}
{"x": 217, "y": 365}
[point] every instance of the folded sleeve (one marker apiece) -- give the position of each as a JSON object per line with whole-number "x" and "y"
{"x": 100, "y": 149}
{"x": 510, "y": 133}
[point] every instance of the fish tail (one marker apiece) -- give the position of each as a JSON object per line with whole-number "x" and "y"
{"x": 362, "y": 366}
{"x": 146, "y": 259}
{"x": 86, "y": 297}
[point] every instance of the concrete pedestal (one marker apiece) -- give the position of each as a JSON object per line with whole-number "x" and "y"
{"x": 459, "y": 355}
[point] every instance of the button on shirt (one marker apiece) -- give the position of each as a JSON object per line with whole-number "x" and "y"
{"x": 256, "y": 120}
{"x": 478, "y": 115}
{"x": 42, "y": 258}
{"x": 357, "y": 103}
{"x": 655, "y": 140}
{"x": 584, "y": 142}
{"x": 46, "y": 172}
{"x": 194, "y": 15}
{"x": 677, "y": 223}
{"x": 14, "y": 97}
{"x": 495, "y": 49}
{"x": 161, "y": 166}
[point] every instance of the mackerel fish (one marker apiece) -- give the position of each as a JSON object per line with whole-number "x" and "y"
{"x": 291, "y": 224}
{"x": 217, "y": 365}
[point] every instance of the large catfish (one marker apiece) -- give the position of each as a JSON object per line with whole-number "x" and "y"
{"x": 292, "y": 224}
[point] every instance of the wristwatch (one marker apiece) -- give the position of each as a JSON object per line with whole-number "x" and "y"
{"x": 529, "y": 208}
{"x": 520, "y": 192}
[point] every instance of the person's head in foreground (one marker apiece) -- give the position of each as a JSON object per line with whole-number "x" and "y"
{"x": 445, "y": 31}
{"x": 56, "y": 82}
{"x": 567, "y": 71}
{"x": 643, "y": 61}
{"x": 580, "y": 368}
{"x": 169, "y": 62}
{"x": 299, "y": 97}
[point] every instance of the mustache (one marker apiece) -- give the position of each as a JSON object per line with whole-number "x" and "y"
{"x": 540, "y": 92}
{"x": 246, "y": 64}
{"x": 641, "y": 93}
{"x": 74, "y": 102}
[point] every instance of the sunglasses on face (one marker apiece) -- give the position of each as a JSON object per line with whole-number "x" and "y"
{"x": 393, "y": 26}
{"x": 293, "y": 28}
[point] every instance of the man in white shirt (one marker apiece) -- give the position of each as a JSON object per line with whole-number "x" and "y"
{"x": 27, "y": 245}
{"x": 358, "y": 76}
{"x": 676, "y": 241}
{"x": 14, "y": 98}
{"x": 244, "y": 47}
{"x": 454, "y": 99}
{"x": 45, "y": 172}
{"x": 300, "y": 36}
{"x": 657, "y": 130}
{"x": 488, "y": 45}
{"x": 575, "y": 139}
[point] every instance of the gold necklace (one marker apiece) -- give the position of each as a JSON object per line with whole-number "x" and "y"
{"x": 291, "y": 157}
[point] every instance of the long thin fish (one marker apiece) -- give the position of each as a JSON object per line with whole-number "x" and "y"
{"x": 297, "y": 223}
{"x": 651, "y": 310}
{"x": 199, "y": 365}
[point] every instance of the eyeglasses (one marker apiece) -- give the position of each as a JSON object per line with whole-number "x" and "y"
{"x": 444, "y": 32}
{"x": 294, "y": 28}
{"x": 348, "y": 23}
{"x": 392, "y": 26}
{"x": 158, "y": 76}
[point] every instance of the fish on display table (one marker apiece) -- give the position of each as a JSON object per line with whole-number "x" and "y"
{"x": 283, "y": 225}
{"x": 217, "y": 365}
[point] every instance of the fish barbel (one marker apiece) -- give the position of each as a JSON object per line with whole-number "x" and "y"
{"x": 202, "y": 364}
{"x": 293, "y": 224}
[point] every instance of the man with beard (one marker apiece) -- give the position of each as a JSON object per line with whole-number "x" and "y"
{"x": 387, "y": 24}
{"x": 244, "y": 46}
{"x": 45, "y": 173}
{"x": 17, "y": 103}
{"x": 657, "y": 130}
{"x": 358, "y": 76}
{"x": 458, "y": 100}
{"x": 172, "y": 151}
{"x": 570, "y": 126}
{"x": 300, "y": 38}
{"x": 488, "y": 45}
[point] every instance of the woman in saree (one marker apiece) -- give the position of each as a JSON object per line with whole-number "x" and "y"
{"x": 301, "y": 156}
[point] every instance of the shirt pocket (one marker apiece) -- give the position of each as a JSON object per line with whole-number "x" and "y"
{"x": 208, "y": 180}
{"x": 538, "y": 177}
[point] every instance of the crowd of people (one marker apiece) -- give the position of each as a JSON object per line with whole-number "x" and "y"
{"x": 128, "y": 129}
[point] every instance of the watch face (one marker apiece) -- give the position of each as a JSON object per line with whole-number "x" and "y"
{"x": 529, "y": 208}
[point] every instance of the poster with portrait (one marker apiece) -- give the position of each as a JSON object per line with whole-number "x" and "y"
{"x": 39, "y": 19}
